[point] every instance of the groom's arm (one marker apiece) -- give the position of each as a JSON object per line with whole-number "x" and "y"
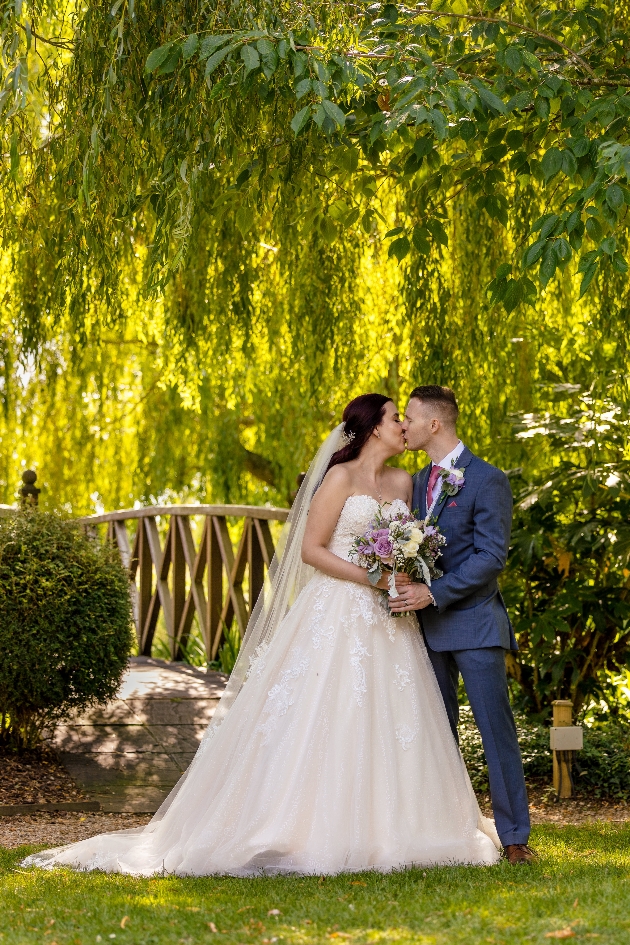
{"x": 492, "y": 522}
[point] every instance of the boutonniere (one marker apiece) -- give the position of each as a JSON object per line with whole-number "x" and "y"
{"x": 453, "y": 481}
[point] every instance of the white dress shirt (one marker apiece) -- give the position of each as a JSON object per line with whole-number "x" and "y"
{"x": 448, "y": 462}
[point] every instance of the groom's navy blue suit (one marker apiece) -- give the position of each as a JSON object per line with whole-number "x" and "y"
{"x": 468, "y": 629}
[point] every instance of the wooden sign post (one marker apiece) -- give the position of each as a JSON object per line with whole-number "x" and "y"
{"x": 562, "y": 716}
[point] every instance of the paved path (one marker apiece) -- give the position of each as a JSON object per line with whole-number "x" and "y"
{"x": 129, "y": 754}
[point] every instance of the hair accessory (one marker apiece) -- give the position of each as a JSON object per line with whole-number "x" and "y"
{"x": 348, "y": 437}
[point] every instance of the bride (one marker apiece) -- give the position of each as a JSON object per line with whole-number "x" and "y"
{"x": 330, "y": 750}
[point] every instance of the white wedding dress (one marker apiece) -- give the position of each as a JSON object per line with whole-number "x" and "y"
{"x": 336, "y": 756}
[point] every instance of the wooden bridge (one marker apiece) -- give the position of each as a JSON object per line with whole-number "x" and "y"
{"x": 217, "y": 579}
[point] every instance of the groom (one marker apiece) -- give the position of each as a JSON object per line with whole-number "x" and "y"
{"x": 465, "y": 623}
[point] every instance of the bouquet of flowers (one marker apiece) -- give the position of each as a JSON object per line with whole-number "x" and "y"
{"x": 398, "y": 542}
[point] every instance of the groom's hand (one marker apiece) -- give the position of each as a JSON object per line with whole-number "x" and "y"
{"x": 411, "y": 597}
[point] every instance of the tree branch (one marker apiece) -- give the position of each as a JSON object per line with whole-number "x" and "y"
{"x": 58, "y": 43}
{"x": 519, "y": 26}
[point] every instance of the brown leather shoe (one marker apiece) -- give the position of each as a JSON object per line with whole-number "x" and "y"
{"x": 516, "y": 853}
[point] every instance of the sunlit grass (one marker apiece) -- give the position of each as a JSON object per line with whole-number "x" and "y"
{"x": 580, "y": 884}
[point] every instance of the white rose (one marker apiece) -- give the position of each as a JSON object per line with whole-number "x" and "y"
{"x": 410, "y": 548}
{"x": 458, "y": 473}
{"x": 415, "y": 535}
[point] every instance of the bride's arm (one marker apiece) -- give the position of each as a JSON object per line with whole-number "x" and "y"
{"x": 323, "y": 515}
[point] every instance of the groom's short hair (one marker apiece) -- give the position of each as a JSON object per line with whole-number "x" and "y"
{"x": 440, "y": 399}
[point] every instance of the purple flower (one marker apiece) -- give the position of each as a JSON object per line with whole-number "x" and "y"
{"x": 383, "y": 547}
{"x": 430, "y": 529}
{"x": 382, "y": 533}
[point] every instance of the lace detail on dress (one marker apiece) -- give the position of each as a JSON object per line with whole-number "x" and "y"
{"x": 258, "y": 661}
{"x": 280, "y": 696}
{"x": 359, "y": 685}
{"x": 405, "y": 735}
{"x": 319, "y": 631}
{"x": 403, "y": 677}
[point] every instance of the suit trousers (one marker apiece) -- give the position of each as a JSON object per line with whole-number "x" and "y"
{"x": 485, "y": 679}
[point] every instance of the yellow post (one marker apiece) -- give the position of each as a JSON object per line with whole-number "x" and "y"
{"x": 562, "y": 715}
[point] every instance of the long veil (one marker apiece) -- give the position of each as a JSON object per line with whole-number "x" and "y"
{"x": 286, "y": 577}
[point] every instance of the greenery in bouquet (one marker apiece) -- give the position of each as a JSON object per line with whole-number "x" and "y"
{"x": 398, "y": 542}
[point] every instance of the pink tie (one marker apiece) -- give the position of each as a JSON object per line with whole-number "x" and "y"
{"x": 434, "y": 475}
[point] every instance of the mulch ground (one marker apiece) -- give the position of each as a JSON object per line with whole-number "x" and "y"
{"x": 38, "y": 777}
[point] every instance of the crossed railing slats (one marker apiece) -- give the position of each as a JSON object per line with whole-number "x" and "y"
{"x": 181, "y": 580}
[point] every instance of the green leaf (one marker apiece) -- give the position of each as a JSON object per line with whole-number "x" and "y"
{"x": 608, "y": 245}
{"x": 244, "y": 219}
{"x": 513, "y": 295}
{"x": 399, "y": 248}
{"x": 157, "y": 57}
{"x": 562, "y": 250}
{"x": 614, "y": 196}
{"x": 533, "y": 253}
{"x": 572, "y": 220}
{"x": 518, "y": 101}
{"x": 189, "y": 46}
{"x": 569, "y": 164}
{"x": 467, "y": 97}
{"x": 619, "y": 263}
{"x": 394, "y": 232}
{"x": 541, "y": 107}
{"x": 210, "y": 43}
{"x": 587, "y": 278}
{"x": 420, "y": 239}
{"x": 215, "y": 60}
{"x": 503, "y": 271}
{"x": 594, "y": 229}
{"x": 579, "y": 146}
{"x": 514, "y": 58}
{"x": 548, "y": 264}
{"x": 171, "y": 61}
{"x": 298, "y": 121}
{"x": 250, "y": 57}
{"x": 334, "y": 112}
{"x": 15, "y": 157}
{"x": 551, "y": 162}
{"x": 438, "y": 123}
{"x": 302, "y": 88}
{"x": 531, "y": 60}
{"x": 269, "y": 56}
{"x": 545, "y": 224}
{"x": 489, "y": 98}
{"x": 423, "y": 146}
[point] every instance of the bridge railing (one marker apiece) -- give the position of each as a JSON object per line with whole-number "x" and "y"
{"x": 215, "y": 579}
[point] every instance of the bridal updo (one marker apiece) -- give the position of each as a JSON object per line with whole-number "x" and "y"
{"x": 360, "y": 417}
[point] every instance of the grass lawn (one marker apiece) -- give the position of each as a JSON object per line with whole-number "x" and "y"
{"x": 580, "y": 887}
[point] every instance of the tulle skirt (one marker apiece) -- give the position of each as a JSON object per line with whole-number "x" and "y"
{"x": 336, "y": 756}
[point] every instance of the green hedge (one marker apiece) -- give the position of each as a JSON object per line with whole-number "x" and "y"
{"x": 602, "y": 768}
{"x": 65, "y": 623}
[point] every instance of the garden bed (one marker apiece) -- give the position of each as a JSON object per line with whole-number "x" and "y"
{"x": 35, "y": 777}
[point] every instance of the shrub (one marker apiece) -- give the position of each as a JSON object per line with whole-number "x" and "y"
{"x": 567, "y": 584}
{"x": 65, "y": 623}
{"x": 601, "y": 769}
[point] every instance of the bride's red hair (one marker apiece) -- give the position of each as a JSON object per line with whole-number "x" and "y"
{"x": 360, "y": 417}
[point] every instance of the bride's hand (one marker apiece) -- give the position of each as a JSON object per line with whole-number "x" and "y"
{"x": 402, "y": 580}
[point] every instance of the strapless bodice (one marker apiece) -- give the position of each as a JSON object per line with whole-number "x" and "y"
{"x": 354, "y": 519}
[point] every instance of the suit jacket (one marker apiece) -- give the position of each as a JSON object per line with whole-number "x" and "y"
{"x": 469, "y": 611}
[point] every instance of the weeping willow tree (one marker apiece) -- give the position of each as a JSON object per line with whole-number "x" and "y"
{"x": 221, "y": 221}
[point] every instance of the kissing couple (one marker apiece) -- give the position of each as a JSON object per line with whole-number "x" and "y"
{"x": 334, "y": 747}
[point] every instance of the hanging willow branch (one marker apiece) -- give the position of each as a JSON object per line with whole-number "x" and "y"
{"x": 293, "y": 123}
